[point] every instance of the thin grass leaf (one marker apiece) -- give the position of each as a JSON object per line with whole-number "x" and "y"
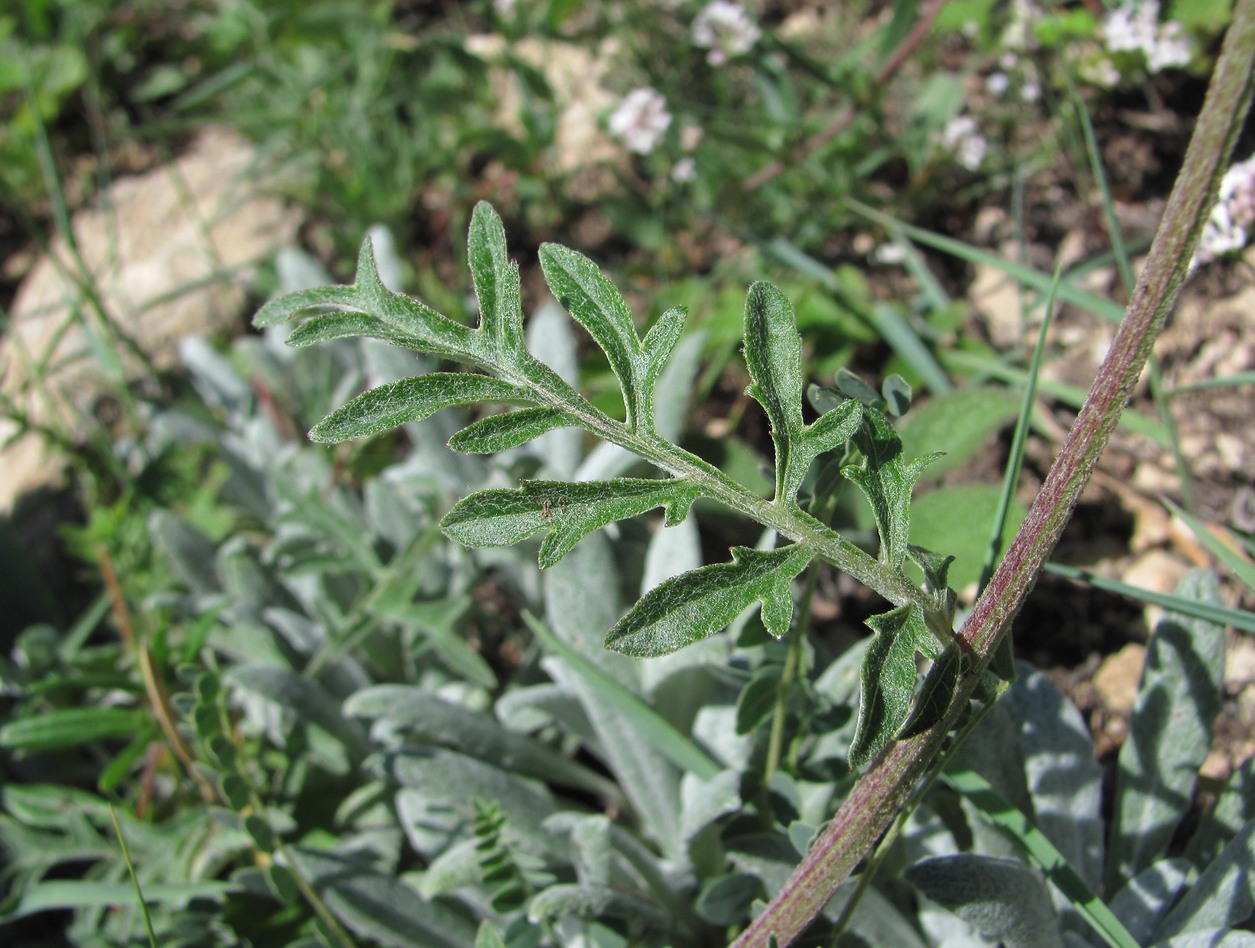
{"x": 1041, "y": 852}
{"x": 1125, "y": 266}
{"x": 895, "y": 331}
{"x": 1206, "y": 611}
{"x": 130, "y": 868}
{"x": 72, "y": 727}
{"x": 1233, "y": 559}
{"x": 1027, "y": 276}
{"x": 1015, "y": 463}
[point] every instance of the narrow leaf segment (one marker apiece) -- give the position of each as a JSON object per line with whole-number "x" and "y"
{"x": 568, "y": 511}
{"x": 596, "y": 305}
{"x": 773, "y": 354}
{"x": 888, "y": 680}
{"x": 398, "y": 403}
{"x": 887, "y": 481}
{"x": 699, "y": 603}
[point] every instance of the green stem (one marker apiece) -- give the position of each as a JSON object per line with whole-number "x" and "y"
{"x": 792, "y": 661}
{"x": 787, "y": 520}
{"x": 886, "y": 787}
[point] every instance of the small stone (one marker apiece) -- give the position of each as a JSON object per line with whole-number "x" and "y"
{"x": 1118, "y": 676}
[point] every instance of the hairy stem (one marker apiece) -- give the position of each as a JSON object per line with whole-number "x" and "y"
{"x": 886, "y": 787}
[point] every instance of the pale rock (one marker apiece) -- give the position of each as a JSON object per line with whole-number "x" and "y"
{"x": 999, "y": 299}
{"x": 1156, "y": 570}
{"x": 1118, "y": 676}
{"x": 582, "y": 150}
{"x": 169, "y": 254}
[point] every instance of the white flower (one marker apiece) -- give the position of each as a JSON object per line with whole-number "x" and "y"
{"x": 962, "y": 136}
{"x": 725, "y": 29}
{"x": 1134, "y": 27}
{"x": 1018, "y": 34}
{"x": 889, "y": 254}
{"x": 685, "y": 170}
{"x": 691, "y": 136}
{"x": 504, "y": 8}
{"x": 1231, "y": 220}
{"x": 1130, "y": 27}
{"x": 997, "y": 83}
{"x": 641, "y": 119}
{"x": 1172, "y": 48}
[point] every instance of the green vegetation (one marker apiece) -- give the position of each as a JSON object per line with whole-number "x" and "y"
{"x": 547, "y": 634}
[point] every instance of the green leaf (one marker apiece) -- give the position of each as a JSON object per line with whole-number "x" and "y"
{"x": 60, "y": 894}
{"x": 773, "y": 355}
{"x": 72, "y": 727}
{"x": 328, "y": 327}
{"x": 936, "y": 692}
{"x": 509, "y": 430}
{"x": 435, "y": 720}
{"x": 488, "y": 936}
{"x": 1224, "y": 895}
{"x": 413, "y": 399}
{"x": 379, "y": 907}
{"x": 302, "y": 302}
{"x": 887, "y": 681}
{"x": 596, "y": 305}
{"x": 955, "y": 425}
{"x": 649, "y": 725}
{"x": 595, "y": 901}
{"x": 696, "y": 604}
{"x": 1002, "y": 899}
{"x": 1170, "y": 734}
{"x": 958, "y": 518}
{"x": 568, "y": 511}
{"x": 306, "y": 698}
{"x": 496, "y": 281}
{"x": 886, "y": 480}
{"x": 392, "y": 316}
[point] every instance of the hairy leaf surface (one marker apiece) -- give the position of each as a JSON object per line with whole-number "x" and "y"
{"x": 887, "y": 681}
{"x": 500, "y": 432}
{"x": 569, "y": 511}
{"x": 699, "y": 603}
{"x": 398, "y": 403}
{"x": 886, "y": 480}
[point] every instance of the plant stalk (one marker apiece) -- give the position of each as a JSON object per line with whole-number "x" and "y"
{"x": 887, "y": 785}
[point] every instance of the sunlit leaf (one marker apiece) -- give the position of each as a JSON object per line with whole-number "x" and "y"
{"x": 699, "y": 603}
{"x": 568, "y": 511}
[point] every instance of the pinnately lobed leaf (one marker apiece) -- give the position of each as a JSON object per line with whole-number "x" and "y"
{"x": 568, "y": 511}
{"x": 699, "y": 603}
